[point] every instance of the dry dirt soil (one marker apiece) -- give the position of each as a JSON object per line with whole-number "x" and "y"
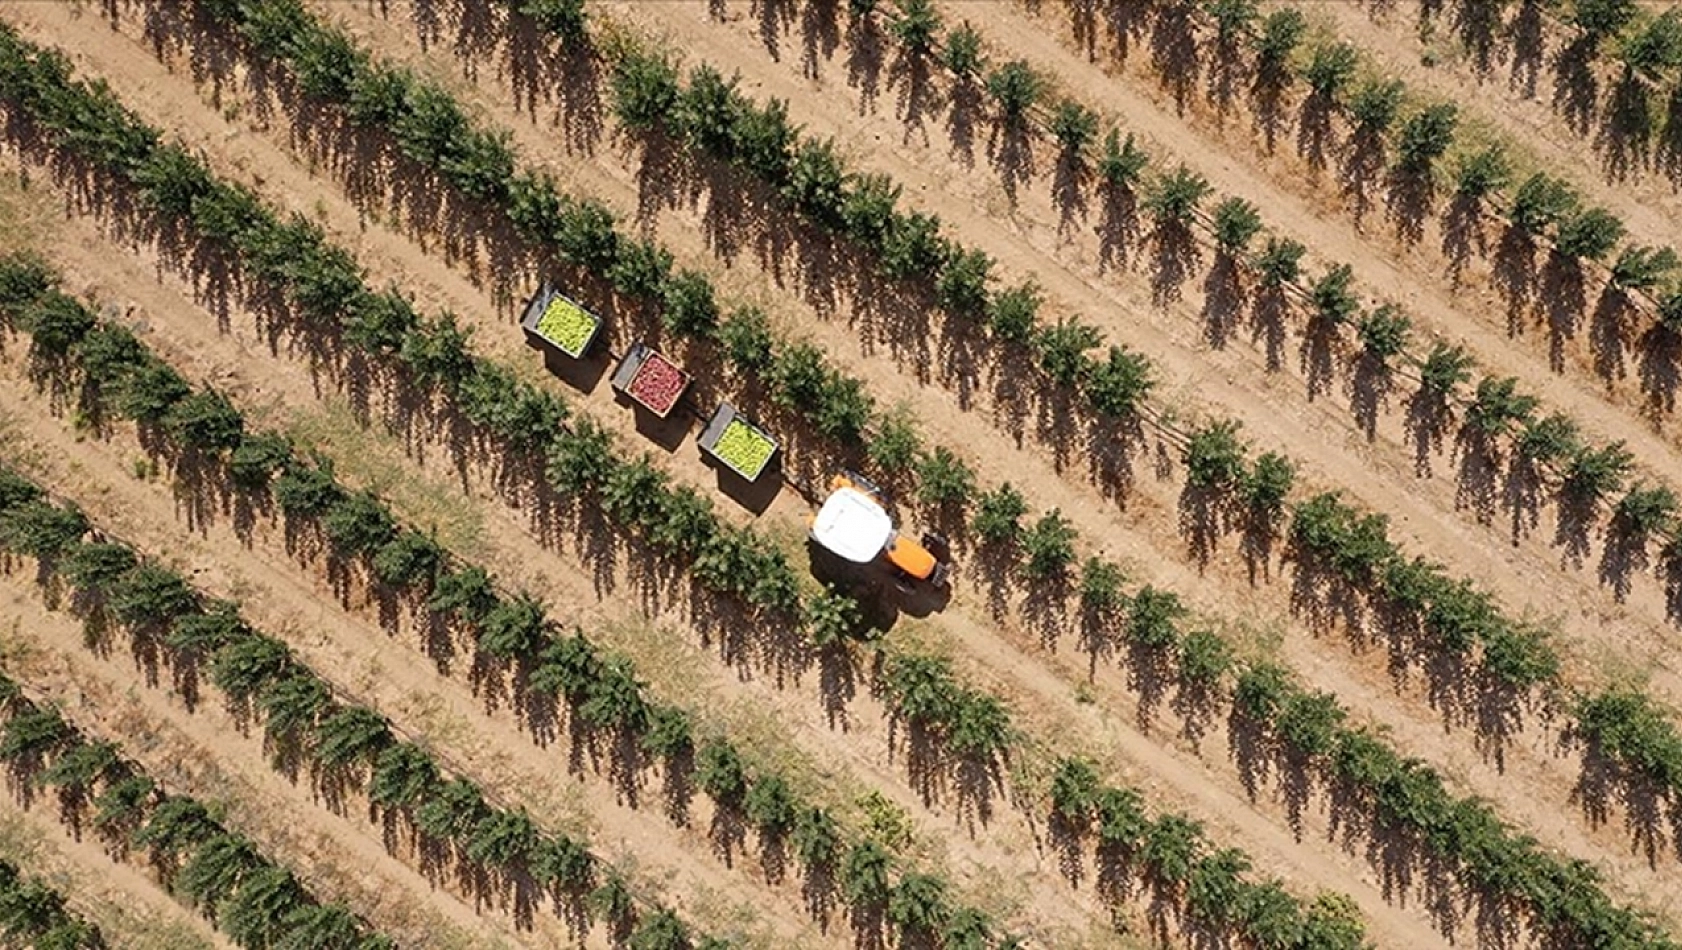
{"x": 835, "y": 753}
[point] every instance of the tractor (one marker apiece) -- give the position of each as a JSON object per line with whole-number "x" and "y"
{"x": 853, "y": 524}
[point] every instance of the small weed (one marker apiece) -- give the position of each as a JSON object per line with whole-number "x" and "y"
{"x": 369, "y": 458}
{"x": 888, "y": 823}
{"x": 1427, "y": 31}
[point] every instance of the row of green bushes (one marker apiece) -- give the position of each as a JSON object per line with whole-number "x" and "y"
{"x": 706, "y": 111}
{"x": 422, "y": 346}
{"x": 1565, "y": 898}
{"x": 1456, "y": 617}
{"x": 1103, "y": 579}
{"x": 221, "y": 873}
{"x": 306, "y": 723}
{"x": 1177, "y": 857}
{"x": 33, "y": 914}
{"x": 1647, "y": 43}
{"x": 1644, "y": 49}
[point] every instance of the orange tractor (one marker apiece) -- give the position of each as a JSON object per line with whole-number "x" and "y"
{"x": 854, "y": 525}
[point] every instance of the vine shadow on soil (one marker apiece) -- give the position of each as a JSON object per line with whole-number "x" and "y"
{"x": 1624, "y": 554}
{"x": 820, "y": 35}
{"x": 1478, "y": 476}
{"x": 1314, "y": 130}
{"x": 1464, "y": 234}
{"x": 1478, "y": 27}
{"x": 1176, "y": 255}
{"x": 541, "y": 69}
{"x": 1428, "y": 419}
{"x": 1409, "y": 195}
{"x": 1659, "y": 370}
{"x": 1527, "y": 34}
{"x": 1010, "y": 149}
{"x": 1516, "y": 277}
{"x": 1646, "y": 804}
{"x": 1071, "y": 176}
{"x": 1667, "y": 157}
{"x": 1174, "y": 50}
{"x": 1225, "y": 297}
{"x": 963, "y": 112}
{"x": 1119, "y": 229}
{"x": 1562, "y": 302}
{"x": 774, "y": 18}
{"x": 1576, "y": 87}
{"x": 1626, "y": 132}
{"x": 911, "y": 74}
{"x": 1370, "y": 387}
{"x": 1364, "y": 158}
{"x": 866, "y": 56}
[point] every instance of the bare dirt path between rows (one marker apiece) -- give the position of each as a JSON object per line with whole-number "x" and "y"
{"x": 1642, "y": 196}
{"x": 1306, "y": 205}
{"x": 1432, "y": 514}
{"x": 204, "y": 755}
{"x": 128, "y": 905}
{"x": 296, "y": 605}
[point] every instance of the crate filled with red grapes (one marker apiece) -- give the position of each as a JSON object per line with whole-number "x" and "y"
{"x": 653, "y": 381}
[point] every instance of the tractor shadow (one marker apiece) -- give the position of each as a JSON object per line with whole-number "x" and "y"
{"x": 881, "y": 593}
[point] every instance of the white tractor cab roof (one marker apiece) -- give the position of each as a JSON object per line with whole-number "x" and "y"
{"x": 853, "y": 526}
